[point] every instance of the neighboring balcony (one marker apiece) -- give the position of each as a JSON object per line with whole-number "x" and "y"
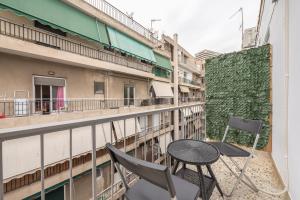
{"x": 184, "y": 100}
{"x": 188, "y": 81}
{"x": 24, "y": 107}
{"x": 60, "y": 43}
{"x": 124, "y": 19}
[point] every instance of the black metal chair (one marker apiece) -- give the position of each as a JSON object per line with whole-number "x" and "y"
{"x": 231, "y": 151}
{"x": 156, "y": 181}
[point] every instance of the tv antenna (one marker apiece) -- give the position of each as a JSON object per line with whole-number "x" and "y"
{"x": 240, "y": 10}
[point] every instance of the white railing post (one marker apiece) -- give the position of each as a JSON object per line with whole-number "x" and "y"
{"x": 1, "y": 172}
{"x": 71, "y": 165}
{"x": 176, "y": 112}
{"x": 112, "y": 167}
{"x": 42, "y": 167}
{"x": 94, "y": 183}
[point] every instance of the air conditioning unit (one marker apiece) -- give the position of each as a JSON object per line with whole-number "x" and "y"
{"x": 21, "y": 103}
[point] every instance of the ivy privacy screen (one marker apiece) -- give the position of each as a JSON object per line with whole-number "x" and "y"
{"x": 238, "y": 84}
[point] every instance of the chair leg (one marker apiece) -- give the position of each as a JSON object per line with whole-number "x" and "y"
{"x": 239, "y": 177}
{"x": 253, "y": 186}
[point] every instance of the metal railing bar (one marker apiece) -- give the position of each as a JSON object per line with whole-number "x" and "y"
{"x": 71, "y": 164}
{"x": 1, "y": 170}
{"x": 145, "y": 141}
{"x": 112, "y": 168}
{"x": 135, "y": 137}
{"x": 94, "y": 173}
{"x": 42, "y": 167}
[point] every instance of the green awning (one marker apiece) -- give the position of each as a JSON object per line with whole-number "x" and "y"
{"x": 59, "y": 15}
{"x": 163, "y": 62}
{"x": 129, "y": 45}
{"x": 160, "y": 72}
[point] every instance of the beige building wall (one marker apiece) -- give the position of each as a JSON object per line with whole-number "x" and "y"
{"x": 17, "y": 72}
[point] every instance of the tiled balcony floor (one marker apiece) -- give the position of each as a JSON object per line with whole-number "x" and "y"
{"x": 262, "y": 173}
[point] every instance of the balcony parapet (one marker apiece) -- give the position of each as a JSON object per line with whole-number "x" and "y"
{"x": 54, "y": 41}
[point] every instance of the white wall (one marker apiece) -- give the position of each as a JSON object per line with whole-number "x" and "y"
{"x": 284, "y": 38}
{"x": 279, "y": 137}
{"x": 294, "y": 99}
{"x": 24, "y": 153}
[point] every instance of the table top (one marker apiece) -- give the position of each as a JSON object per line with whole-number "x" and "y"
{"x": 193, "y": 152}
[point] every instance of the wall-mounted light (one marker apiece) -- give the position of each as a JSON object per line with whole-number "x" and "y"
{"x": 51, "y": 73}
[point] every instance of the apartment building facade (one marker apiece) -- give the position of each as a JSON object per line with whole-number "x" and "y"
{"x": 188, "y": 73}
{"x": 71, "y": 59}
{"x": 200, "y": 58}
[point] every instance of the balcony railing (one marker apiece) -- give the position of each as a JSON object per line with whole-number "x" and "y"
{"x": 58, "y": 42}
{"x": 124, "y": 19}
{"x": 190, "y": 99}
{"x": 188, "y": 81}
{"x": 147, "y": 145}
{"x": 24, "y": 107}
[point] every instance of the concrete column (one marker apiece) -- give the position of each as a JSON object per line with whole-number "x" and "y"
{"x": 176, "y": 113}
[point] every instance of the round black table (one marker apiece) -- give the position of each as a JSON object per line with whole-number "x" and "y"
{"x": 198, "y": 153}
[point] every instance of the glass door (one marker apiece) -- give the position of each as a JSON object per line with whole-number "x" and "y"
{"x": 128, "y": 95}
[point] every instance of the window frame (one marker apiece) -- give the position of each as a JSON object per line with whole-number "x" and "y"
{"x": 95, "y": 87}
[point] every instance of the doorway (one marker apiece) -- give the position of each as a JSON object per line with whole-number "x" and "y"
{"x": 129, "y": 93}
{"x": 49, "y": 94}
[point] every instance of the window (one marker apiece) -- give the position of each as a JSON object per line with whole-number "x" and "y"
{"x": 98, "y": 172}
{"x": 49, "y": 94}
{"x": 128, "y": 95}
{"x": 99, "y": 87}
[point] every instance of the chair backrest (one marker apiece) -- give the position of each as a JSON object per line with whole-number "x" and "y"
{"x": 252, "y": 126}
{"x": 156, "y": 174}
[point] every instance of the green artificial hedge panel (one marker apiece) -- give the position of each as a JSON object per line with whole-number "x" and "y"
{"x": 238, "y": 84}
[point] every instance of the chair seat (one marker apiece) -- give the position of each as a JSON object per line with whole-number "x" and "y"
{"x": 230, "y": 150}
{"x": 144, "y": 190}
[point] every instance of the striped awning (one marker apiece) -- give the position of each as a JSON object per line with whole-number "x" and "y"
{"x": 130, "y": 128}
{"x": 184, "y": 89}
{"x": 164, "y": 141}
{"x": 59, "y": 15}
{"x": 162, "y": 89}
{"x": 38, "y": 80}
{"x": 130, "y": 46}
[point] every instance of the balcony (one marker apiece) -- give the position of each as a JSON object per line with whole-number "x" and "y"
{"x": 184, "y": 100}
{"x": 57, "y": 42}
{"x": 124, "y": 19}
{"x": 183, "y": 80}
{"x": 75, "y": 167}
{"x": 30, "y": 107}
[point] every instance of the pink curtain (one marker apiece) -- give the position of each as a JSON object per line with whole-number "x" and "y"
{"x": 60, "y": 98}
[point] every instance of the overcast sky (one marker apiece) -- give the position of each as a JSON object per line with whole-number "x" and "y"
{"x": 200, "y": 24}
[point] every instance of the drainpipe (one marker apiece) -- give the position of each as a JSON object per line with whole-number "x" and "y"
{"x": 175, "y": 74}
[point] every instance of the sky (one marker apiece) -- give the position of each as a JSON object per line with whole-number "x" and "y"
{"x": 200, "y": 24}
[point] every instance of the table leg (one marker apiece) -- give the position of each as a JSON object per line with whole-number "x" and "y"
{"x": 214, "y": 177}
{"x": 175, "y": 167}
{"x": 202, "y": 184}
